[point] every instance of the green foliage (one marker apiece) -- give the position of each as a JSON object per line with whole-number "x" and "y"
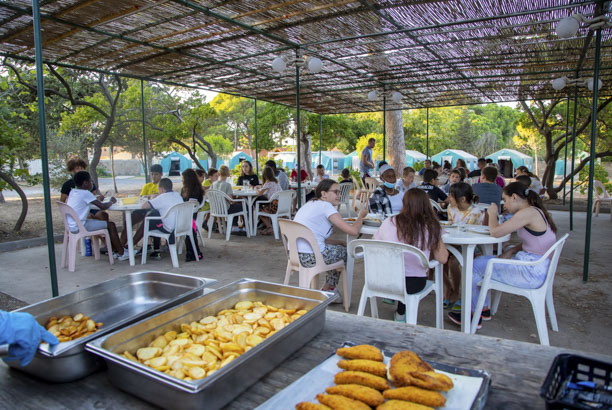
{"x": 355, "y": 173}
{"x": 600, "y": 174}
{"x": 417, "y": 166}
{"x": 103, "y": 172}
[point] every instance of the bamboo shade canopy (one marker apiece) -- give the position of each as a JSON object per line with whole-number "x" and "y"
{"x": 434, "y": 52}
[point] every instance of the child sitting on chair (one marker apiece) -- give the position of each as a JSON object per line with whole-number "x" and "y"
{"x": 80, "y": 200}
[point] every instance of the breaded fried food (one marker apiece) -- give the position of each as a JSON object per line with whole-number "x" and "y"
{"x": 337, "y": 402}
{"x": 305, "y": 405}
{"x": 402, "y": 405}
{"x": 367, "y": 352}
{"x": 429, "y": 381}
{"x": 362, "y": 378}
{"x": 365, "y": 394}
{"x": 361, "y": 365}
{"x": 416, "y": 395}
{"x": 402, "y": 364}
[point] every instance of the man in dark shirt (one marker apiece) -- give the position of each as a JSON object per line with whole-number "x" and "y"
{"x": 478, "y": 172}
{"x": 487, "y": 190}
{"x": 430, "y": 185}
{"x": 75, "y": 165}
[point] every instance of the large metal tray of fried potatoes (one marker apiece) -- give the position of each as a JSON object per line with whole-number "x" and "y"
{"x": 218, "y": 389}
{"x": 117, "y": 302}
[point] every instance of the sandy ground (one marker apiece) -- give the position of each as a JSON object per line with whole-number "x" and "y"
{"x": 583, "y": 309}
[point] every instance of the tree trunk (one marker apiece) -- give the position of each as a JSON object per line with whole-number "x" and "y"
{"x": 24, "y": 200}
{"x": 112, "y": 163}
{"x": 396, "y": 147}
{"x": 306, "y": 153}
{"x": 2, "y": 200}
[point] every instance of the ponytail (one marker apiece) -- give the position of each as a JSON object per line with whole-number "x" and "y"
{"x": 532, "y": 198}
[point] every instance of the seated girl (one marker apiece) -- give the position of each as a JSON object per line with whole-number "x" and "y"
{"x": 417, "y": 224}
{"x": 537, "y": 231}
{"x": 265, "y": 192}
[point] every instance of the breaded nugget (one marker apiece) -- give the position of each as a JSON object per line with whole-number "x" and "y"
{"x": 366, "y": 352}
{"x": 417, "y": 395}
{"x": 362, "y": 378}
{"x": 305, "y": 405}
{"x": 361, "y": 365}
{"x": 402, "y": 405}
{"x": 429, "y": 380}
{"x": 355, "y": 391}
{"x": 337, "y": 402}
{"x": 402, "y": 364}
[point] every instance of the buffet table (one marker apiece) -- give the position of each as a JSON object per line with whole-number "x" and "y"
{"x": 517, "y": 369}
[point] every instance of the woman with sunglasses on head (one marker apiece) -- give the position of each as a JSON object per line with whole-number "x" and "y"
{"x": 320, "y": 215}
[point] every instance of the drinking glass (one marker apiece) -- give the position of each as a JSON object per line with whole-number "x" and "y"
{"x": 246, "y": 185}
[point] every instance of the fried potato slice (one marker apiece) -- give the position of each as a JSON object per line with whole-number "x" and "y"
{"x": 362, "y": 378}
{"x": 416, "y": 395}
{"x": 402, "y": 405}
{"x": 361, "y": 365}
{"x": 305, "y": 405}
{"x": 146, "y": 353}
{"x": 367, "y": 352}
{"x": 244, "y": 305}
{"x": 337, "y": 402}
{"x": 365, "y": 394}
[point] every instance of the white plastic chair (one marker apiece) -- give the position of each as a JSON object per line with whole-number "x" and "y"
{"x": 71, "y": 240}
{"x": 200, "y": 220}
{"x": 385, "y": 277}
{"x": 291, "y": 231}
{"x": 345, "y": 197}
{"x": 183, "y": 226}
{"x": 600, "y": 198}
{"x": 436, "y": 206}
{"x": 285, "y": 202}
{"x": 540, "y": 298}
{"x": 219, "y": 205}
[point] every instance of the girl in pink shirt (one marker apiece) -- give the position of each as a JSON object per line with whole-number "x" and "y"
{"x": 417, "y": 224}
{"x": 537, "y": 231}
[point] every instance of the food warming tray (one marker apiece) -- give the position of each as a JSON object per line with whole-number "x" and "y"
{"x": 224, "y": 385}
{"x": 117, "y": 302}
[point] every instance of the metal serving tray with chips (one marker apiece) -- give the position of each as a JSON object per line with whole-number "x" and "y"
{"x": 116, "y": 303}
{"x": 214, "y": 391}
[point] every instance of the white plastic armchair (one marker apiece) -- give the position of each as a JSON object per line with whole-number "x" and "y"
{"x": 601, "y": 198}
{"x": 385, "y": 275}
{"x": 200, "y": 219}
{"x": 183, "y": 226}
{"x": 345, "y": 197}
{"x": 283, "y": 209}
{"x": 219, "y": 205}
{"x": 436, "y": 206}
{"x": 541, "y": 298}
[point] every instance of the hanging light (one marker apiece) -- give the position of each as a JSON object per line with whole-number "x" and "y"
{"x": 279, "y": 65}
{"x": 590, "y": 83}
{"x": 372, "y": 95}
{"x": 567, "y": 27}
{"x": 559, "y": 83}
{"x": 396, "y": 97}
{"x": 314, "y": 65}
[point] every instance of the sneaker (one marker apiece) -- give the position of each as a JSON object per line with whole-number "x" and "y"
{"x": 389, "y": 301}
{"x": 457, "y": 306}
{"x": 446, "y": 303}
{"x": 125, "y": 256}
{"x": 486, "y": 314}
{"x": 399, "y": 318}
{"x": 455, "y": 317}
{"x": 155, "y": 255}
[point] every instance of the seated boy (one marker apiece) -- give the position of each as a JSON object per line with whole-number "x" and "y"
{"x": 346, "y": 176}
{"x": 158, "y": 206}
{"x": 75, "y": 165}
{"x": 430, "y": 185}
{"x": 487, "y": 190}
{"x": 321, "y": 175}
{"x": 80, "y": 199}
{"x": 407, "y": 180}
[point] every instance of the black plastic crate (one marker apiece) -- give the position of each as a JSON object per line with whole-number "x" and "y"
{"x": 584, "y": 369}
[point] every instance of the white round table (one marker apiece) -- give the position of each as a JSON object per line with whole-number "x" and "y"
{"x": 250, "y": 195}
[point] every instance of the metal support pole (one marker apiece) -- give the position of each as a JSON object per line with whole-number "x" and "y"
{"x": 40, "y": 88}
{"x": 427, "y": 148}
{"x": 571, "y": 216}
{"x": 144, "y": 130}
{"x": 587, "y": 241}
{"x": 297, "y": 138}
{"x": 320, "y": 136}
{"x": 256, "y": 146}
{"x": 566, "y": 132}
{"x": 384, "y": 128}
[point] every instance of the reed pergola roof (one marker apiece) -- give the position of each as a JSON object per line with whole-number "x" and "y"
{"x": 434, "y": 52}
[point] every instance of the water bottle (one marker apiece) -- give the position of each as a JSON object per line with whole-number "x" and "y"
{"x": 87, "y": 246}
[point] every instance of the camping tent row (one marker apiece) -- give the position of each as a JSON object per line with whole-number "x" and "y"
{"x": 175, "y": 163}
{"x": 508, "y": 160}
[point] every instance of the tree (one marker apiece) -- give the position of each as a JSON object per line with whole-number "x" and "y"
{"x": 548, "y": 118}
{"x": 396, "y": 147}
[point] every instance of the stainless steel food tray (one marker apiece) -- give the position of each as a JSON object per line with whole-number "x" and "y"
{"x": 217, "y": 390}
{"x": 117, "y": 302}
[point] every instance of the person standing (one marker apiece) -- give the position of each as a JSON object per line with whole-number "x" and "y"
{"x": 367, "y": 163}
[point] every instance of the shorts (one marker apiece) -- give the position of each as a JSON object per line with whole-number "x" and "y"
{"x": 92, "y": 225}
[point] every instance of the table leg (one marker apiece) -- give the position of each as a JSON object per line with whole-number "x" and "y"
{"x": 130, "y": 237}
{"x": 467, "y": 252}
{"x": 250, "y": 201}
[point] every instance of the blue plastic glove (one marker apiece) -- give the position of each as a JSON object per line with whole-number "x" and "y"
{"x": 23, "y": 334}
